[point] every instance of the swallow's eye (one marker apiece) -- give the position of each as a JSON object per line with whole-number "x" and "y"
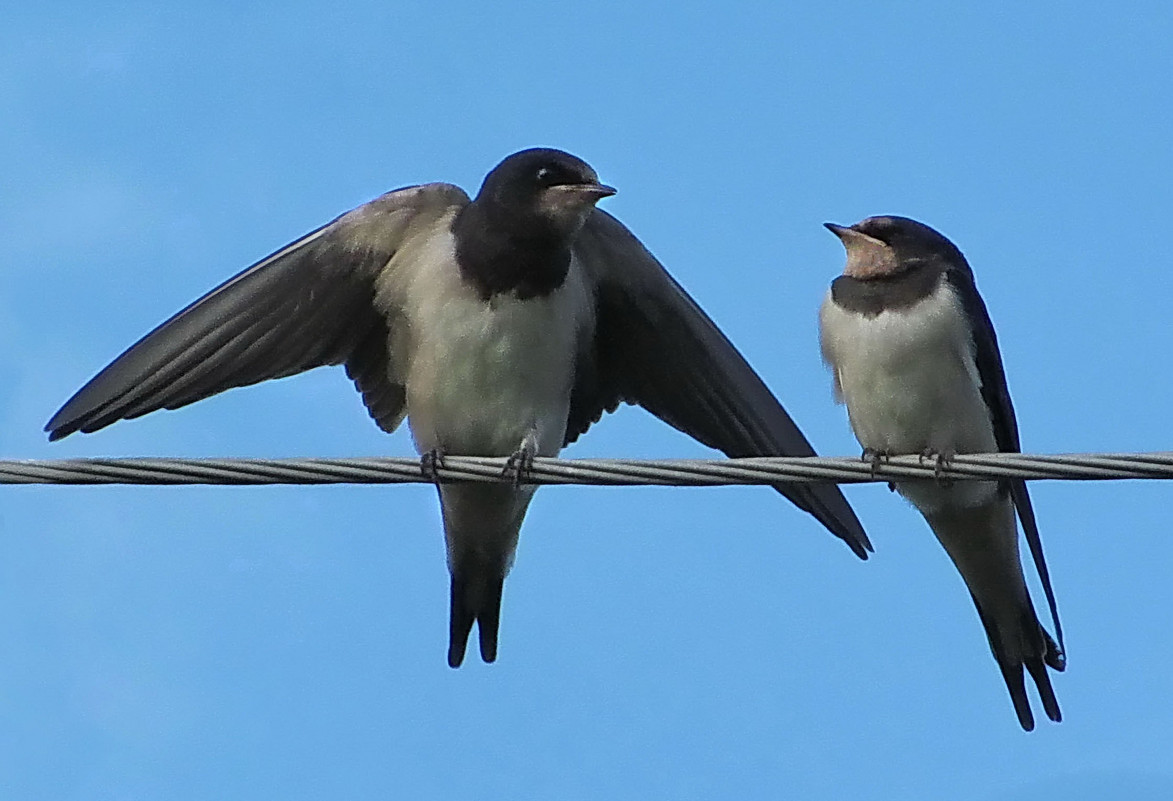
{"x": 545, "y": 176}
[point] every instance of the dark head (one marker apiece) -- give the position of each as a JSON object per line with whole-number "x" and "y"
{"x": 517, "y": 235}
{"x": 541, "y": 193}
{"x": 881, "y": 246}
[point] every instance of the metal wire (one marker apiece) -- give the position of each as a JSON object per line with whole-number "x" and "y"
{"x": 612, "y": 472}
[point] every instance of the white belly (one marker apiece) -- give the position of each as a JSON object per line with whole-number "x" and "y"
{"x": 483, "y": 377}
{"x": 910, "y": 382}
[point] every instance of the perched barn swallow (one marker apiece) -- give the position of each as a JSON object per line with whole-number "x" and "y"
{"x": 915, "y": 359}
{"x": 501, "y": 326}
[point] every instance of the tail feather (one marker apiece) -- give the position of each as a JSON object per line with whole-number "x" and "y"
{"x": 1038, "y": 672}
{"x": 477, "y": 585}
{"x": 1030, "y": 647}
{"x": 1054, "y": 658}
{"x": 1012, "y": 675}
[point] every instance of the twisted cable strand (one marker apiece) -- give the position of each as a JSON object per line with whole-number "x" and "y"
{"x": 607, "y": 472}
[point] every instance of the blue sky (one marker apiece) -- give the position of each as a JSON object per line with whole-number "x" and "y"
{"x": 194, "y": 643}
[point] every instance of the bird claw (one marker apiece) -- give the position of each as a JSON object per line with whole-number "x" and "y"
{"x": 944, "y": 459}
{"x": 875, "y": 458}
{"x": 519, "y": 465}
{"x": 431, "y": 463}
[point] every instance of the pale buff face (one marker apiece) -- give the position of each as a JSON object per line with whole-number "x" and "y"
{"x": 867, "y": 257}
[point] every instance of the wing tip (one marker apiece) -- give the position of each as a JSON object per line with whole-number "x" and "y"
{"x": 58, "y": 430}
{"x": 859, "y": 543}
{"x": 835, "y": 513}
{"x": 61, "y": 425}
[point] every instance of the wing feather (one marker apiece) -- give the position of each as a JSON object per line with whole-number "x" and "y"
{"x": 655, "y": 347}
{"x": 996, "y": 394}
{"x": 310, "y": 304}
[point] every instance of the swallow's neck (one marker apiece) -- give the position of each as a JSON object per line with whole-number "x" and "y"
{"x": 891, "y": 292}
{"x": 525, "y": 261}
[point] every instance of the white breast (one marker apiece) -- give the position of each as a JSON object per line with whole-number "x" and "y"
{"x": 910, "y": 380}
{"x": 481, "y": 376}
